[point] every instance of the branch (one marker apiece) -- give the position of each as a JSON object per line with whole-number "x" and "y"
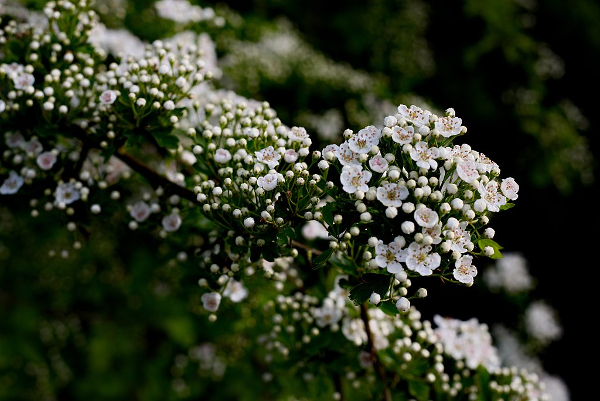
{"x": 371, "y": 346}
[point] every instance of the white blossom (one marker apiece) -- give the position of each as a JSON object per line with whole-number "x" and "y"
{"x": 211, "y": 301}
{"x": 414, "y": 114}
{"x": 420, "y": 259}
{"x": 392, "y": 194}
{"x": 268, "y": 156}
{"x": 378, "y": 164}
{"x": 222, "y": 156}
{"x": 448, "y": 126}
{"x": 67, "y": 193}
{"x": 489, "y": 193}
{"x": 389, "y": 256}
{"x": 171, "y": 222}
{"x": 140, "y": 211}
{"x": 269, "y": 181}
{"x": 464, "y": 271}
{"x": 11, "y": 184}
{"x": 403, "y": 135}
{"x": 108, "y": 97}
{"x": 46, "y": 160}
{"x": 354, "y": 178}
{"x": 510, "y": 188}
{"x": 426, "y": 217}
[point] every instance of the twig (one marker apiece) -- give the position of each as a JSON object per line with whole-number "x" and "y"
{"x": 387, "y": 393}
{"x": 306, "y": 247}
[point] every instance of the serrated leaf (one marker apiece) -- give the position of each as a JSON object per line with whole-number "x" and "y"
{"x": 378, "y": 283}
{"x": 320, "y": 260}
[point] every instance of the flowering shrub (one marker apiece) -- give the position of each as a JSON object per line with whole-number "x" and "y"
{"x": 324, "y": 246}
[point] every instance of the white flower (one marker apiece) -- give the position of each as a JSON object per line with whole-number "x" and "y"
{"x": 346, "y": 156}
{"x": 464, "y": 271}
{"x": 14, "y": 140}
{"x": 378, "y": 164}
{"x": 298, "y": 134}
{"x": 314, "y": 229}
{"x": 354, "y": 330}
{"x": 171, "y": 222}
{"x": 140, "y": 211}
{"x": 392, "y": 194}
{"x": 290, "y": 156}
{"x": 389, "y": 256}
{"x": 66, "y": 193}
{"x": 2, "y": 106}
{"x": 329, "y": 313}
{"x": 510, "y": 188}
{"x": 461, "y": 238}
{"x": 375, "y": 298}
{"x": 403, "y": 135}
{"x": 448, "y": 126}
{"x": 423, "y": 155}
{"x": 222, "y": 156}
{"x": 249, "y": 222}
{"x": 211, "y": 301}
{"x": 403, "y": 304}
{"x": 269, "y": 181}
{"x": 541, "y": 322}
{"x": 467, "y": 171}
{"x": 11, "y": 184}
{"x": 353, "y": 179}
{"x": 235, "y": 291}
{"x": 169, "y": 105}
{"x": 420, "y": 259}
{"x": 426, "y": 217}
{"x": 364, "y": 140}
{"x": 268, "y": 156}
{"x": 489, "y": 193}
{"x": 46, "y": 160}
{"x": 108, "y": 97}
{"x": 414, "y": 115}
{"x": 23, "y": 80}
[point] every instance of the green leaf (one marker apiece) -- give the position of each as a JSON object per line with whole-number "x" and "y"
{"x": 344, "y": 262}
{"x": 389, "y": 308}
{"x": 289, "y": 231}
{"x": 320, "y": 260}
{"x": 507, "y": 206}
{"x": 167, "y": 141}
{"x": 378, "y": 283}
{"x": 482, "y": 243}
{"x": 418, "y": 389}
{"x": 327, "y": 211}
{"x": 282, "y": 238}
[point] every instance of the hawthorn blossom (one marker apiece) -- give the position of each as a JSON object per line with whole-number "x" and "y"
{"x": 423, "y": 155}
{"x": 222, "y": 156}
{"x": 345, "y": 155}
{"x": 46, "y": 160}
{"x": 485, "y": 164}
{"x": 33, "y": 147}
{"x": 449, "y": 126}
{"x": 211, "y": 301}
{"x": 392, "y": 194}
{"x": 378, "y": 164}
{"x": 235, "y": 291}
{"x": 414, "y": 114}
{"x": 269, "y": 181}
{"x": 353, "y": 179}
{"x": 426, "y": 217}
{"x": 403, "y": 135}
{"x": 23, "y": 80}
{"x": 461, "y": 238}
{"x": 108, "y": 97}
{"x": 435, "y": 232}
{"x": 420, "y": 259}
{"x": 389, "y": 256}
{"x": 171, "y": 222}
{"x": 140, "y": 211}
{"x": 290, "y": 156}
{"x": 14, "y": 140}
{"x": 354, "y": 330}
{"x": 67, "y": 193}
{"x": 268, "y": 156}
{"x": 489, "y": 193}
{"x": 510, "y": 188}
{"x": 11, "y": 184}
{"x": 467, "y": 171}
{"x": 298, "y": 134}
{"x": 364, "y": 140}
{"x": 464, "y": 271}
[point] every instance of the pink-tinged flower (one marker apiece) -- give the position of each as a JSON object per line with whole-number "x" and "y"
{"x": 489, "y": 193}
{"x": 67, "y": 193}
{"x": 464, "y": 271}
{"x": 268, "y": 156}
{"x": 290, "y": 156}
{"x": 269, "y": 181}
{"x": 423, "y": 156}
{"x": 392, "y": 194}
{"x": 171, "y": 222}
{"x": 12, "y": 184}
{"x": 461, "y": 238}
{"x": 108, "y": 97}
{"x": 378, "y": 164}
{"x": 467, "y": 171}
{"x": 33, "y": 147}
{"x": 354, "y": 178}
{"x": 46, "y": 160}
{"x": 434, "y": 232}
{"x": 23, "y": 80}
{"x": 211, "y": 301}
{"x": 510, "y": 188}
{"x": 298, "y": 134}
{"x": 403, "y": 135}
{"x": 222, "y": 156}
{"x": 420, "y": 259}
{"x": 14, "y": 140}
{"x": 329, "y": 148}
{"x": 346, "y": 156}
{"x": 485, "y": 164}
{"x": 426, "y": 217}
{"x": 140, "y": 211}
{"x": 448, "y": 126}
{"x": 414, "y": 115}
{"x": 389, "y": 256}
